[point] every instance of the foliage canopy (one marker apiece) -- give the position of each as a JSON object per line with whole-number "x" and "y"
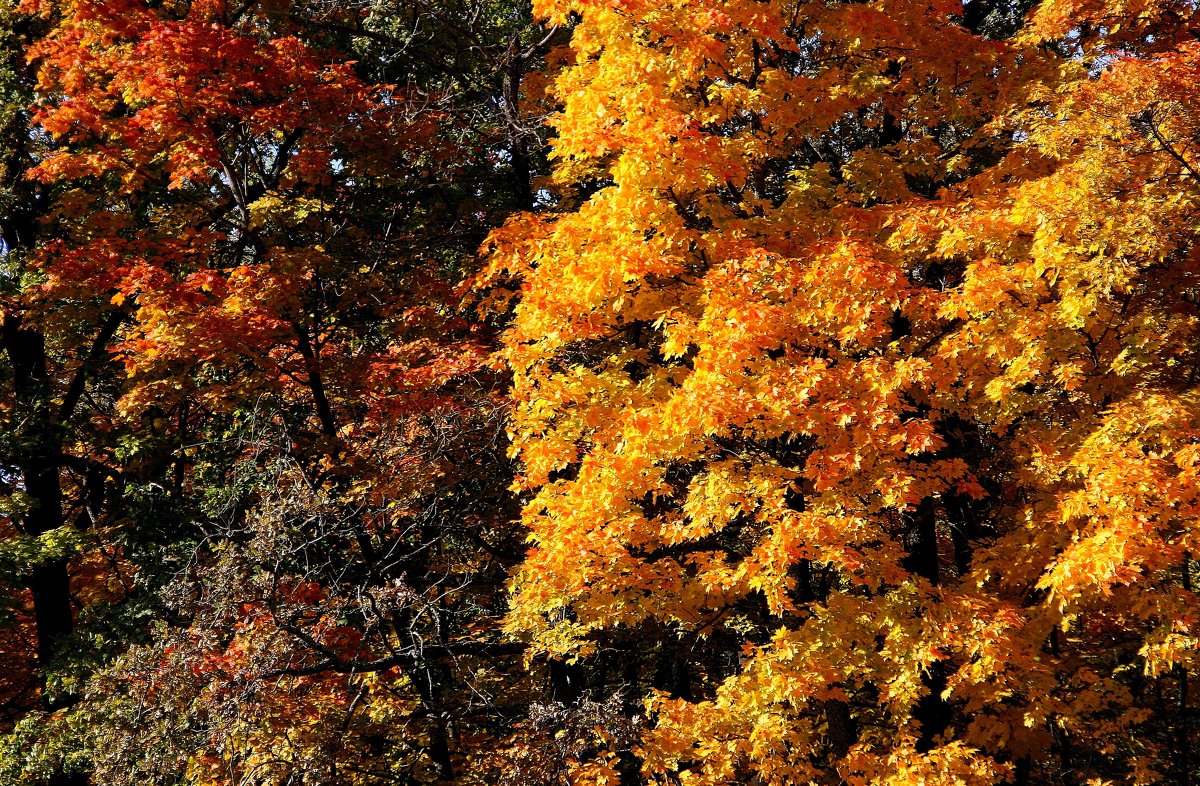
{"x": 627, "y": 392}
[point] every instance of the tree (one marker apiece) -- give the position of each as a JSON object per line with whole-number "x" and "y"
{"x": 53, "y": 405}
{"x": 854, "y": 389}
{"x": 299, "y": 436}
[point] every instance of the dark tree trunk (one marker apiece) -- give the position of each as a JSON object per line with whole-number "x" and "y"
{"x": 520, "y": 170}
{"x": 921, "y": 543}
{"x": 673, "y": 673}
{"x": 39, "y": 457}
{"x": 1183, "y": 741}
{"x": 932, "y": 711}
{"x": 1183, "y": 732}
{"x": 565, "y": 681}
{"x": 843, "y": 731}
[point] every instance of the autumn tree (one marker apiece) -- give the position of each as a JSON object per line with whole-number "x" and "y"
{"x": 53, "y": 393}
{"x": 297, "y": 443}
{"x": 855, "y": 390}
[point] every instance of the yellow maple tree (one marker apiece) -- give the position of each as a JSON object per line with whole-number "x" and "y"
{"x": 855, "y": 387}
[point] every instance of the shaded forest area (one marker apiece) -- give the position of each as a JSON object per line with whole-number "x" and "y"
{"x": 680, "y": 392}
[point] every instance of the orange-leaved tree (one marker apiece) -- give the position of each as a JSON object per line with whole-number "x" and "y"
{"x": 295, "y": 439}
{"x": 855, "y": 389}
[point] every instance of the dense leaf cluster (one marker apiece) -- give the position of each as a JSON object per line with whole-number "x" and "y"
{"x": 600, "y": 392}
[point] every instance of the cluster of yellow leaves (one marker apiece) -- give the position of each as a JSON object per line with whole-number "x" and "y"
{"x": 728, "y": 363}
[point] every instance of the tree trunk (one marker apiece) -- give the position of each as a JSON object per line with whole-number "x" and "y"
{"x": 932, "y": 711}
{"x": 39, "y": 457}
